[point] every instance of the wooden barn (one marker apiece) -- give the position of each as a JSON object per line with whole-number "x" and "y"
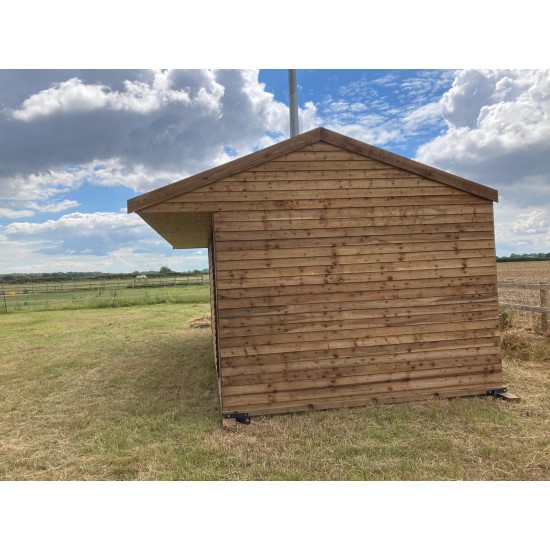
{"x": 340, "y": 274}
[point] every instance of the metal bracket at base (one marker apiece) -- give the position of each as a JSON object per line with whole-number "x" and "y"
{"x": 232, "y": 418}
{"x": 502, "y": 393}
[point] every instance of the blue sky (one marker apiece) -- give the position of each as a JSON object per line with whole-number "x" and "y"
{"x": 76, "y": 144}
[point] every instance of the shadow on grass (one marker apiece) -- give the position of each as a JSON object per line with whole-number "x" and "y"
{"x": 174, "y": 375}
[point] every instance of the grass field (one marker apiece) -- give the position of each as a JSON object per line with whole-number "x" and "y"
{"x": 130, "y": 393}
{"x": 103, "y": 297}
{"x": 523, "y": 272}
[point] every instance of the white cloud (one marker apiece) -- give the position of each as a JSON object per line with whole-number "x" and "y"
{"x": 27, "y": 209}
{"x": 522, "y": 230}
{"x": 388, "y": 109}
{"x": 20, "y": 257}
{"x": 58, "y": 206}
{"x": 144, "y": 129}
{"x": 102, "y": 241}
{"x": 498, "y": 131}
{"x": 74, "y": 96}
{"x": 426, "y": 114}
{"x": 535, "y": 222}
{"x": 44, "y": 185}
{"x": 139, "y": 129}
{"x": 97, "y": 233}
{"x": 13, "y": 213}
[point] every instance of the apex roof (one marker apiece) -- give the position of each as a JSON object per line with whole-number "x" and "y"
{"x": 293, "y": 144}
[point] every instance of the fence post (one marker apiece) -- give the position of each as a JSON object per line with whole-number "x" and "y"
{"x": 544, "y": 303}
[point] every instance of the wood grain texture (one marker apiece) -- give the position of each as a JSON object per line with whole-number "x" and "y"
{"x": 449, "y": 342}
{"x": 434, "y": 366}
{"x": 372, "y": 389}
{"x": 393, "y": 397}
{"x": 482, "y": 352}
{"x": 344, "y": 275}
{"x": 347, "y": 145}
{"x": 444, "y": 230}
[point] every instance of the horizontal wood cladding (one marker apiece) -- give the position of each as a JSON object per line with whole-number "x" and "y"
{"x": 329, "y": 259}
{"x": 386, "y": 398}
{"x": 398, "y": 304}
{"x": 322, "y": 166}
{"x": 378, "y": 179}
{"x": 396, "y": 361}
{"x": 248, "y": 345}
{"x": 388, "y": 371}
{"x": 316, "y": 195}
{"x": 387, "y": 210}
{"x": 345, "y": 278}
{"x": 353, "y": 296}
{"x": 236, "y": 388}
{"x": 367, "y": 322}
{"x": 328, "y": 222}
{"x": 447, "y": 230}
{"x": 263, "y": 320}
{"x": 323, "y": 204}
{"x": 409, "y": 268}
{"x": 330, "y": 340}
{"x": 344, "y": 287}
{"x": 345, "y": 274}
{"x": 272, "y": 244}
{"x": 306, "y": 395}
{"x": 320, "y": 152}
{"x": 333, "y": 250}
{"x": 318, "y": 142}
{"x": 278, "y": 173}
{"x": 408, "y": 345}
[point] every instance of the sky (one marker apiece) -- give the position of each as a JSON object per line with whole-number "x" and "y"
{"x": 75, "y": 145}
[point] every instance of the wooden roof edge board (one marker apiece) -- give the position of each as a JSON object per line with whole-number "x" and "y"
{"x": 298, "y": 142}
{"x": 224, "y": 171}
{"x": 405, "y": 163}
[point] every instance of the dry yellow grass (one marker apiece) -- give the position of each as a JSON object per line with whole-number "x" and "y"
{"x": 523, "y": 272}
{"x": 130, "y": 393}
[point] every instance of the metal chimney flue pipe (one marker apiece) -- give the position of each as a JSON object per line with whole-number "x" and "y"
{"x": 293, "y": 100}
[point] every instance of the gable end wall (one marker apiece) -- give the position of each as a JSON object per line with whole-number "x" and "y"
{"x": 341, "y": 280}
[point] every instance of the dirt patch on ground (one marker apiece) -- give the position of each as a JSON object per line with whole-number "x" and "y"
{"x": 201, "y": 322}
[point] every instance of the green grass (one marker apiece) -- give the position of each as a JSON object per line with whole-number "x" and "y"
{"x": 130, "y": 393}
{"x": 102, "y": 298}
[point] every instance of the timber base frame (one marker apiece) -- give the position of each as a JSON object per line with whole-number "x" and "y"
{"x": 230, "y": 419}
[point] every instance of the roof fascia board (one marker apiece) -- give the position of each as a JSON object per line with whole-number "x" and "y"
{"x": 224, "y": 171}
{"x": 404, "y": 163}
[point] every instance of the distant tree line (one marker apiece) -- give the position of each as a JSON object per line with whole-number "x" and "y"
{"x": 531, "y": 257}
{"x": 76, "y": 275}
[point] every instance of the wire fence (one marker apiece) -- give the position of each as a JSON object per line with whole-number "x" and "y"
{"x": 109, "y": 293}
{"x": 75, "y": 285}
{"x": 541, "y": 290}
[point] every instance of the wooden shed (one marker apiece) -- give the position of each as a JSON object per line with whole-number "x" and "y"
{"x": 340, "y": 274}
